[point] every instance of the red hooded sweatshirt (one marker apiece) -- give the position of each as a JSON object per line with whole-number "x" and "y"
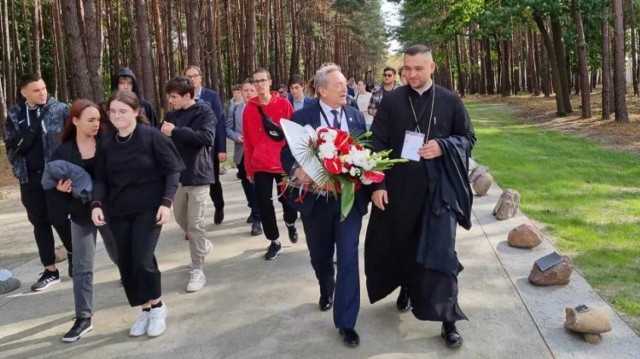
{"x": 261, "y": 153}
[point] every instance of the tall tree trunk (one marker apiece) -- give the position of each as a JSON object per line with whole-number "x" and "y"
{"x": 193, "y": 32}
{"x": 634, "y": 48}
{"x": 250, "y": 38}
{"x": 561, "y": 58}
{"x": 8, "y": 70}
{"x": 61, "y": 65}
{"x": 585, "y": 88}
{"x": 147, "y": 74}
{"x": 35, "y": 37}
{"x": 93, "y": 47}
{"x": 533, "y": 63}
{"x": 294, "y": 67}
{"x": 459, "y": 68}
{"x": 162, "y": 59}
{"x": 606, "y": 65}
{"x": 490, "y": 76}
{"x": 78, "y": 58}
{"x": 555, "y": 69}
{"x": 25, "y": 24}
{"x": 505, "y": 84}
{"x": 619, "y": 81}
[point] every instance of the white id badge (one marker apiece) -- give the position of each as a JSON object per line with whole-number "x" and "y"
{"x": 412, "y": 143}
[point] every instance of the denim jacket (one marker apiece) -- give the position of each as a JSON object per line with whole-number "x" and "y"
{"x": 53, "y": 113}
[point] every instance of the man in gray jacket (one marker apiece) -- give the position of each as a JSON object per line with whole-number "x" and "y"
{"x": 234, "y": 132}
{"x": 32, "y": 133}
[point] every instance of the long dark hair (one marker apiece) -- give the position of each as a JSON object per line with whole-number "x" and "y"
{"x": 69, "y": 131}
{"x": 130, "y": 99}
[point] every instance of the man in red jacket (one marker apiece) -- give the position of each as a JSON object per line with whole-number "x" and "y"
{"x": 262, "y": 158}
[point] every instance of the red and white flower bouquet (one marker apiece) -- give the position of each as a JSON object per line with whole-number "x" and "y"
{"x": 336, "y": 161}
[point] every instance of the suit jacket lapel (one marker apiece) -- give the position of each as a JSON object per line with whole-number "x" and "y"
{"x": 315, "y": 119}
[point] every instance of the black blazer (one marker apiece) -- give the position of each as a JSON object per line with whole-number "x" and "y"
{"x": 310, "y": 115}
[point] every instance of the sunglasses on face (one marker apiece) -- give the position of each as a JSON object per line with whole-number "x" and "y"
{"x": 388, "y": 75}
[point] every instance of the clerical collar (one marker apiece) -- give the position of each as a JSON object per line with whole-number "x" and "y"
{"x": 421, "y": 92}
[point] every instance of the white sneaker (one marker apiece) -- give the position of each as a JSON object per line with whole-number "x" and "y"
{"x": 197, "y": 281}
{"x": 140, "y": 326}
{"x": 157, "y": 321}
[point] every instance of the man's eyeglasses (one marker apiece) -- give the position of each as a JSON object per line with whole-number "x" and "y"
{"x": 255, "y": 82}
{"x": 192, "y": 76}
{"x": 388, "y": 75}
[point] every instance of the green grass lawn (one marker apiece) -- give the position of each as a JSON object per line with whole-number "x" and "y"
{"x": 587, "y": 196}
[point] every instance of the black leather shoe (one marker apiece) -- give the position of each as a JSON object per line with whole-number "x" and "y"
{"x": 404, "y": 302}
{"x": 256, "y": 229}
{"x": 293, "y": 233}
{"x": 250, "y": 219}
{"x": 218, "y": 216}
{"x": 451, "y": 335}
{"x": 350, "y": 337}
{"x": 80, "y": 327}
{"x": 325, "y": 303}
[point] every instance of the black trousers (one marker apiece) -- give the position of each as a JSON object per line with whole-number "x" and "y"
{"x": 263, "y": 186}
{"x": 44, "y": 210}
{"x": 215, "y": 189}
{"x": 249, "y": 192}
{"x": 136, "y": 238}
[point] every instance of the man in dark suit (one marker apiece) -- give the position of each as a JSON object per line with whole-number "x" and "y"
{"x": 219, "y": 143}
{"x": 321, "y": 214}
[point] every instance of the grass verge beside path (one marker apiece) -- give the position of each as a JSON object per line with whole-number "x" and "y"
{"x": 587, "y": 197}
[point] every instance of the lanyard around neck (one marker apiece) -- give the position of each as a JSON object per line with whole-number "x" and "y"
{"x": 327, "y": 121}
{"x": 433, "y": 101}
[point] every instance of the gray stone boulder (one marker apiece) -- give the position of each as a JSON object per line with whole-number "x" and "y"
{"x": 559, "y": 274}
{"x": 524, "y": 236}
{"x": 507, "y": 205}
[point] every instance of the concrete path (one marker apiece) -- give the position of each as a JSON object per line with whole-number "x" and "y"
{"x": 251, "y": 308}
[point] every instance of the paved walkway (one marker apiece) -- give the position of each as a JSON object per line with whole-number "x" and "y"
{"x": 251, "y": 308}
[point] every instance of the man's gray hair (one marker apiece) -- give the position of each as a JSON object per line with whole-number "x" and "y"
{"x": 320, "y": 79}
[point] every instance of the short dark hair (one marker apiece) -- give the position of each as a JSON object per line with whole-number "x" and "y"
{"x": 236, "y": 87}
{"x": 297, "y": 80}
{"x": 262, "y": 70}
{"x": 26, "y": 79}
{"x": 413, "y": 50}
{"x": 181, "y": 85}
{"x": 283, "y": 86}
{"x": 247, "y": 81}
{"x": 389, "y": 68}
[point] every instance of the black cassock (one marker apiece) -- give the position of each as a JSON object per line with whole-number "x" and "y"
{"x": 412, "y": 242}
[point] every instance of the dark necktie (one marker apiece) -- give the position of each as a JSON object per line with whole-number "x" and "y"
{"x": 336, "y": 123}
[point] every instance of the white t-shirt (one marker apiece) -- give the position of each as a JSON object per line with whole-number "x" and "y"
{"x": 363, "y": 103}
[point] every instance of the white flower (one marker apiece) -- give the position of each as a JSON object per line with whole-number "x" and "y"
{"x": 326, "y": 150}
{"x": 353, "y": 172}
{"x": 365, "y": 181}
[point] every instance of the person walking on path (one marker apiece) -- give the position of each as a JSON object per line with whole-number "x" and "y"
{"x": 262, "y": 158}
{"x": 80, "y": 138}
{"x": 32, "y": 133}
{"x": 191, "y": 128}
{"x": 212, "y": 98}
{"x": 323, "y": 228}
{"x": 234, "y": 132}
{"x": 388, "y": 84}
{"x": 137, "y": 174}
{"x": 410, "y": 240}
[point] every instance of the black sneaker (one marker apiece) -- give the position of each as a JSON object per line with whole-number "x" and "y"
{"x": 81, "y": 327}
{"x": 70, "y": 260}
{"x": 47, "y": 279}
{"x": 293, "y": 233}
{"x": 273, "y": 251}
{"x": 256, "y": 229}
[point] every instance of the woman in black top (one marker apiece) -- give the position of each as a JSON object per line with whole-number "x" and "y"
{"x": 137, "y": 174}
{"x": 79, "y": 140}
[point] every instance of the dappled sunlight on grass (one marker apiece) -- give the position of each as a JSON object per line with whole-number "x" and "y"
{"x": 586, "y": 196}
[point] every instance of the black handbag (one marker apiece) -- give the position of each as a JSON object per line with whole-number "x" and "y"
{"x": 271, "y": 128}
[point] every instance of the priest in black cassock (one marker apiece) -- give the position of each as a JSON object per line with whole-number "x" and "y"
{"x": 410, "y": 239}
